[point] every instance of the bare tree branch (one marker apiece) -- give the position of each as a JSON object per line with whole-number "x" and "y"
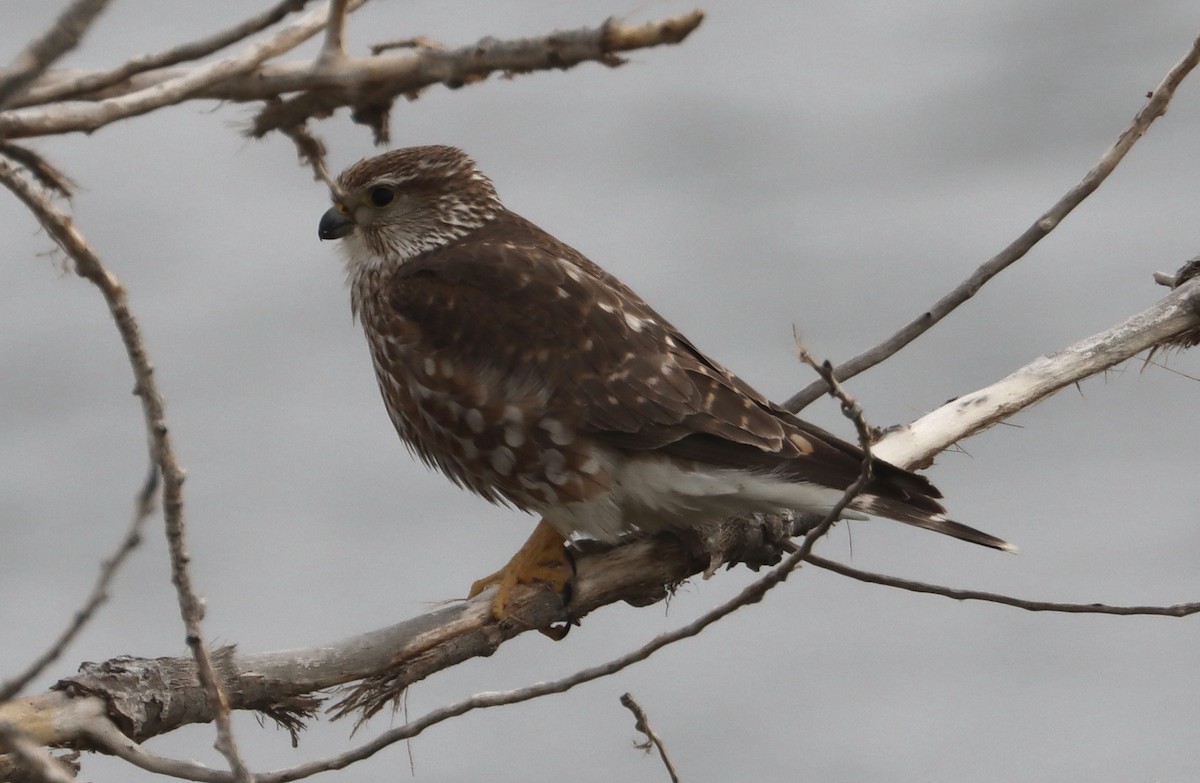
{"x": 642, "y": 724}
{"x": 1164, "y": 322}
{"x": 356, "y": 82}
{"x": 88, "y": 265}
{"x": 1175, "y": 610}
{"x": 312, "y": 152}
{"x": 1155, "y": 107}
{"x": 65, "y": 86}
{"x": 108, "y": 569}
{"x": 63, "y": 36}
{"x": 370, "y": 85}
{"x": 64, "y": 118}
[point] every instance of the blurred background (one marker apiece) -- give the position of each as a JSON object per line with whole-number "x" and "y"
{"x": 832, "y": 168}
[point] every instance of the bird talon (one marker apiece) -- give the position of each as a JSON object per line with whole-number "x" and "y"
{"x": 541, "y": 559}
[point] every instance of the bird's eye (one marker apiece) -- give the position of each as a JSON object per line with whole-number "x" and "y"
{"x": 381, "y": 196}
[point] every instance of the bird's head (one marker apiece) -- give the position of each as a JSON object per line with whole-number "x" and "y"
{"x": 405, "y": 202}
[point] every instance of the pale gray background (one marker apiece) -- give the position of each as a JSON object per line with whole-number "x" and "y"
{"x": 830, "y": 166}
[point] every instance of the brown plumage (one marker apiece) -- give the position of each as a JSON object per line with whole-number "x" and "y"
{"x": 531, "y": 376}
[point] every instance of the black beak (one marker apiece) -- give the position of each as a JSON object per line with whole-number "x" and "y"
{"x": 335, "y": 225}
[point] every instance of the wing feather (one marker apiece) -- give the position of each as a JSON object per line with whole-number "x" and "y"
{"x": 512, "y": 299}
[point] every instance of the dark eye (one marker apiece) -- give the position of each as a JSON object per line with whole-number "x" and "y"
{"x": 381, "y": 196}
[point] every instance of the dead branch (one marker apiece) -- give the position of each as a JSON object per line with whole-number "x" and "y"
{"x": 915, "y": 444}
{"x": 63, "y": 86}
{"x": 1155, "y": 107}
{"x": 354, "y": 82}
{"x": 88, "y": 265}
{"x": 1176, "y": 610}
{"x": 63, "y": 36}
{"x": 653, "y": 741}
{"x": 370, "y": 85}
{"x": 68, "y": 117}
{"x": 144, "y": 506}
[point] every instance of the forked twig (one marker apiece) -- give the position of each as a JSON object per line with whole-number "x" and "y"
{"x": 108, "y": 569}
{"x": 653, "y": 741}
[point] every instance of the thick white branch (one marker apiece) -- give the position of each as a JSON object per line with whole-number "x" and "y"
{"x": 915, "y": 444}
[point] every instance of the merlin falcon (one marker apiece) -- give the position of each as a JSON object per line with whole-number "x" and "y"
{"x": 529, "y": 375}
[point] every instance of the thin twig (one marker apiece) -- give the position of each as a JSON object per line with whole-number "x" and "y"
{"x": 416, "y": 42}
{"x": 312, "y": 151}
{"x": 32, "y": 757}
{"x": 61, "y": 118}
{"x": 353, "y": 81}
{"x": 642, "y": 724}
{"x": 1155, "y": 106}
{"x": 39, "y": 168}
{"x": 63, "y": 36}
{"x": 108, "y": 569}
{"x": 1175, "y": 610}
{"x": 73, "y": 86}
{"x": 88, "y": 265}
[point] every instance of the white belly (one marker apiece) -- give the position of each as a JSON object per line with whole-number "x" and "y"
{"x": 653, "y": 493}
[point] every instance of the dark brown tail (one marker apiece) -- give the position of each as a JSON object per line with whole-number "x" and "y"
{"x": 908, "y": 497}
{"x": 937, "y": 521}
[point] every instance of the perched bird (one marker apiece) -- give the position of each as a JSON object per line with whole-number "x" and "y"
{"x": 532, "y": 377}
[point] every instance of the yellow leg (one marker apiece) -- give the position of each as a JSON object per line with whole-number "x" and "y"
{"x": 540, "y": 559}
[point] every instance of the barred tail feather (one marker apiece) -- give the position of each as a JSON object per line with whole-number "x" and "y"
{"x": 937, "y": 522}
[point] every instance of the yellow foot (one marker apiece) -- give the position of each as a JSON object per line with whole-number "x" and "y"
{"x": 540, "y": 559}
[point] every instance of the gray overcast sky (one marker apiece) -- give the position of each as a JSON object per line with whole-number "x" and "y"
{"x": 833, "y": 167}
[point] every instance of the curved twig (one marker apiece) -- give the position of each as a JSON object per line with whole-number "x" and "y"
{"x": 1175, "y": 610}
{"x": 653, "y": 741}
{"x": 88, "y": 265}
{"x": 67, "y": 86}
{"x": 64, "y": 118}
{"x": 1155, "y": 107}
{"x": 346, "y": 81}
{"x": 99, "y": 594}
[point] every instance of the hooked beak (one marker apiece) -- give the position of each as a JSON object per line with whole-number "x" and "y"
{"x": 335, "y": 224}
